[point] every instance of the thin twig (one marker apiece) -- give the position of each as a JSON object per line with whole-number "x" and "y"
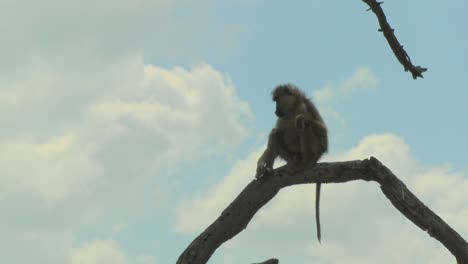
{"x": 395, "y": 45}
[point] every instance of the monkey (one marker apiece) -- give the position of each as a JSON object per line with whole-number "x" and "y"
{"x": 299, "y": 137}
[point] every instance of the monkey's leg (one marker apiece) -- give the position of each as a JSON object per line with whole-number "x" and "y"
{"x": 307, "y": 147}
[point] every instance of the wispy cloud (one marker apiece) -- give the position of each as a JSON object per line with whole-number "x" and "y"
{"x": 105, "y": 252}
{"x": 361, "y": 80}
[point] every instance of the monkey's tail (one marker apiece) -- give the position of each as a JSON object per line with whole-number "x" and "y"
{"x": 317, "y": 211}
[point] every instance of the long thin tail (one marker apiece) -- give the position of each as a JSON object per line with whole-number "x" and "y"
{"x": 317, "y": 211}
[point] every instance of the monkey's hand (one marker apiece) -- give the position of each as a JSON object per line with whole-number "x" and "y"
{"x": 262, "y": 171}
{"x": 300, "y": 123}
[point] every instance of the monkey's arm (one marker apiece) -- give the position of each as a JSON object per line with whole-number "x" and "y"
{"x": 309, "y": 132}
{"x": 318, "y": 127}
{"x": 265, "y": 162}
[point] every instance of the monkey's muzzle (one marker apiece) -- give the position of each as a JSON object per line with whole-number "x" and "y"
{"x": 279, "y": 112}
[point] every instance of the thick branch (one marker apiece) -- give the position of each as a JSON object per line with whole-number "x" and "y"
{"x": 397, "y": 48}
{"x": 257, "y": 193}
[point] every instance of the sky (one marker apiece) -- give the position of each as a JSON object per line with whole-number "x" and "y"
{"x": 128, "y": 126}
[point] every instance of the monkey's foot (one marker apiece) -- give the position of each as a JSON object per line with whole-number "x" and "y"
{"x": 300, "y": 123}
{"x": 262, "y": 171}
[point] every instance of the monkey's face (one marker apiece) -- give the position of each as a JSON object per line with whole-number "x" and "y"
{"x": 285, "y": 104}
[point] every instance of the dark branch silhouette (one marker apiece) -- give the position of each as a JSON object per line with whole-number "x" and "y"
{"x": 270, "y": 261}
{"x": 397, "y": 48}
{"x": 257, "y": 193}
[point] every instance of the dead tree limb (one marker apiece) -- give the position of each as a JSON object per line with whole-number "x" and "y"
{"x": 257, "y": 193}
{"x": 395, "y": 45}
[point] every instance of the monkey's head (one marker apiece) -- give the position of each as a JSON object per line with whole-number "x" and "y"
{"x": 287, "y": 98}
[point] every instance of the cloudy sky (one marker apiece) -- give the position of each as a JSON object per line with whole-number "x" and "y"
{"x": 128, "y": 126}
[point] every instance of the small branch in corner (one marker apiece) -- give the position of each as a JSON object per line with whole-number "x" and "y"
{"x": 270, "y": 261}
{"x": 395, "y": 45}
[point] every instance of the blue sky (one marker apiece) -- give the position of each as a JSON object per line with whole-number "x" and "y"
{"x": 128, "y": 126}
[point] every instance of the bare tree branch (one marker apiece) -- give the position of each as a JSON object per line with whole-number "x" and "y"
{"x": 397, "y": 48}
{"x": 257, "y": 193}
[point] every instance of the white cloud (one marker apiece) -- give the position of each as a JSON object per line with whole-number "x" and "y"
{"x": 359, "y": 225}
{"x": 90, "y": 129}
{"x": 392, "y": 150}
{"x": 53, "y": 169}
{"x": 82, "y": 148}
{"x": 185, "y": 107}
{"x": 324, "y": 94}
{"x": 98, "y": 252}
{"x": 362, "y": 80}
{"x": 152, "y": 111}
{"x": 105, "y": 252}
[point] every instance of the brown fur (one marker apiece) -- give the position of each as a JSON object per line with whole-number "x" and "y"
{"x": 299, "y": 137}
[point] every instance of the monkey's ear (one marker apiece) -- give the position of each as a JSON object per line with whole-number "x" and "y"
{"x": 275, "y": 98}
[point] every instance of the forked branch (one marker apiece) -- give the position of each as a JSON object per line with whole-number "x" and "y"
{"x": 395, "y": 45}
{"x": 257, "y": 193}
